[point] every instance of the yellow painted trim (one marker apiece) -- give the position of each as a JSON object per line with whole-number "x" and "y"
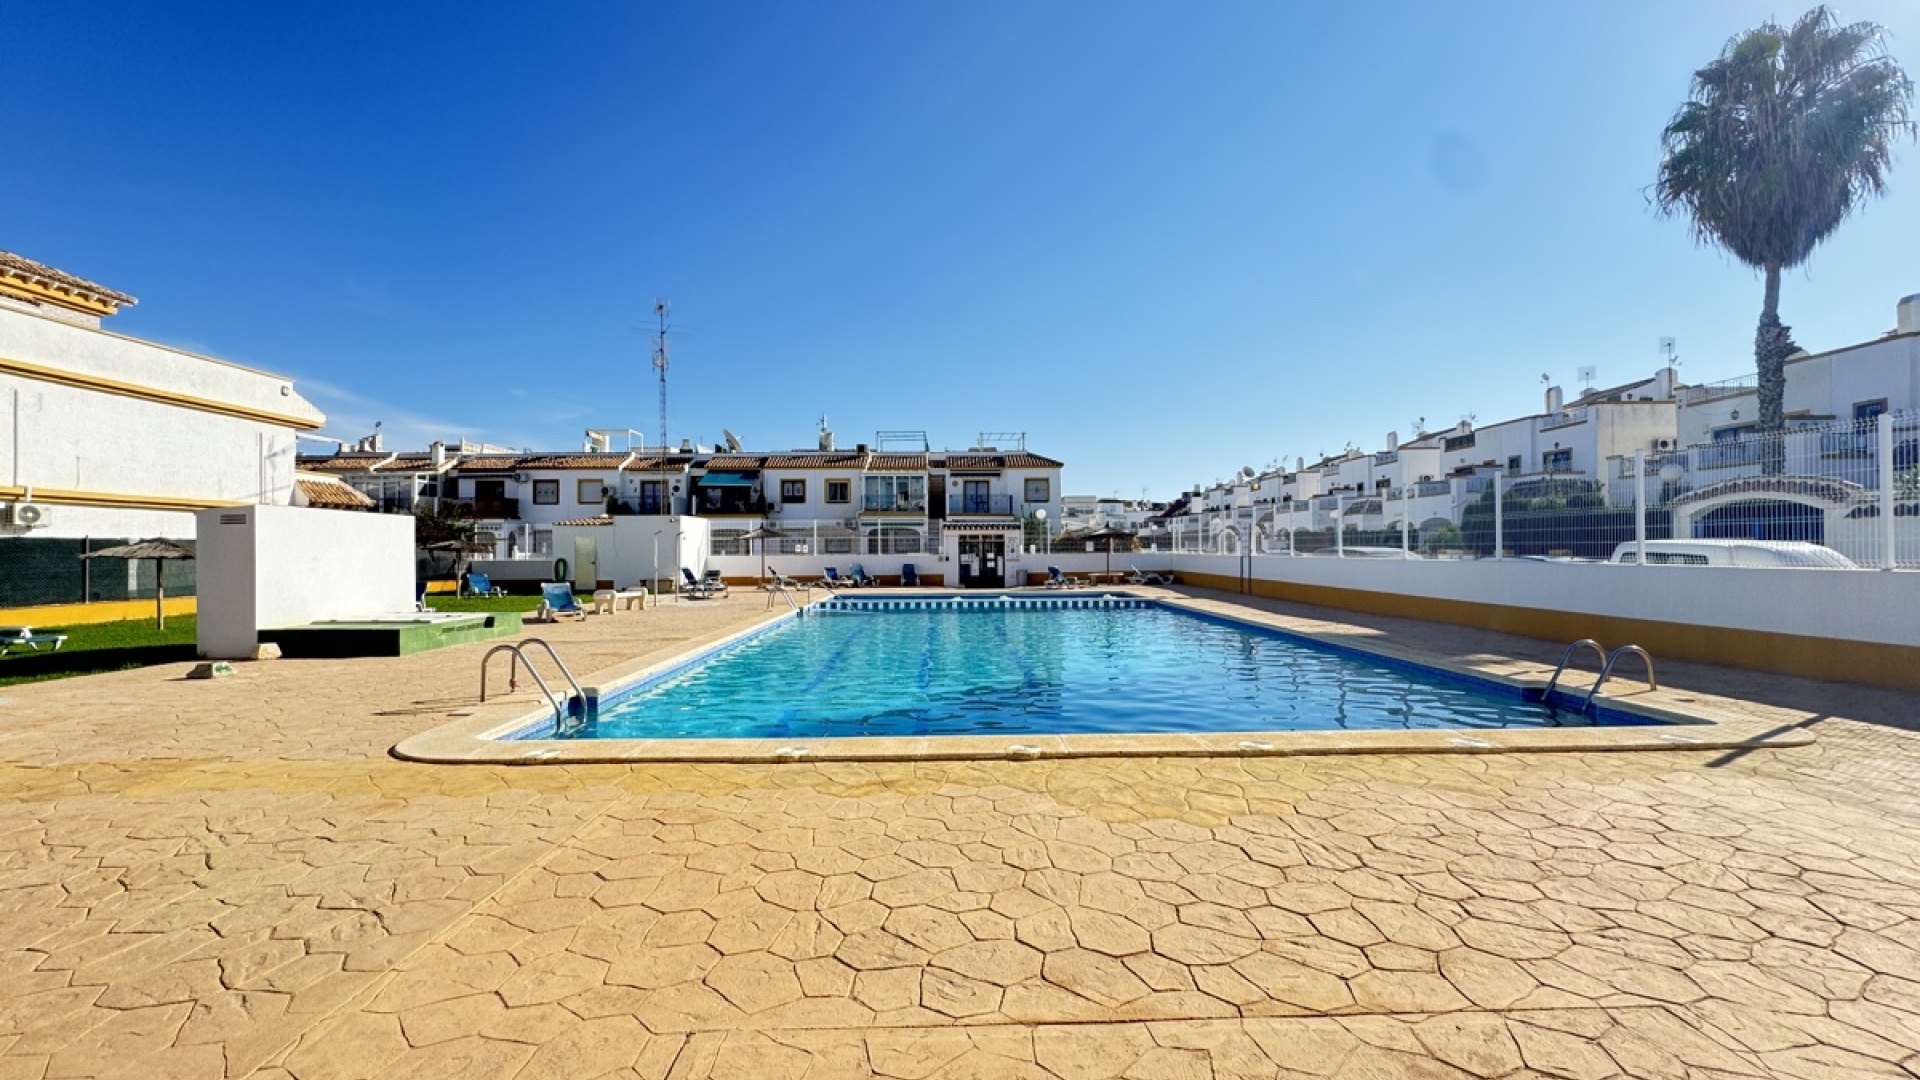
{"x": 75, "y": 379}
{"x": 112, "y": 500}
{"x": 16, "y": 283}
{"x": 51, "y": 615}
{"x": 1866, "y": 662}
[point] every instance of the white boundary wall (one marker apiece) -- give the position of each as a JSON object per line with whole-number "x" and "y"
{"x": 263, "y": 567}
{"x": 1843, "y": 605}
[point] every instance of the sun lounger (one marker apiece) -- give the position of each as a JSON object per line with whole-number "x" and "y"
{"x": 835, "y": 581}
{"x": 482, "y": 585}
{"x": 693, "y": 587}
{"x": 557, "y": 599}
{"x": 860, "y": 576}
{"x": 1058, "y": 580}
{"x": 715, "y": 584}
{"x": 909, "y": 576}
{"x": 23, "y": 637}
{"x": 1142, "y": 577}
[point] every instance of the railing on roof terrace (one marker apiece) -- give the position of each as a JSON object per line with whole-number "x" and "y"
{"x": 1694, "y": 395}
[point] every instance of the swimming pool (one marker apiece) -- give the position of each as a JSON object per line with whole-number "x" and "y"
{"x": 956, "y": 666}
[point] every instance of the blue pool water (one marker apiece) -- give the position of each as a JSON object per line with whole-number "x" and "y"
{"x": 939, "y": 670}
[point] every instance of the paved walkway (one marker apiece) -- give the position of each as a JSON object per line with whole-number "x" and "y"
{"x": 232, "y": 879}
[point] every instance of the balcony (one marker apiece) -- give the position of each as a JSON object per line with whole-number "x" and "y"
{"x": 730, "y": 502}
{"x": 965, "y": 505}
{"x": 893, "y": 504}
{"x": 491, "y": 509}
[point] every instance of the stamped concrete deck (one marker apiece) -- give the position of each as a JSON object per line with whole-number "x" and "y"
{"x": 233, "y": 879}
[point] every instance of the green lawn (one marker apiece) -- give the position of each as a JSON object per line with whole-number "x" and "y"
{"x": 97, "y": 647}
{"x": 443, "y": 602}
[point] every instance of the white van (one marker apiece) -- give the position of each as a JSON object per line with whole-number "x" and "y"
{"x": 1735, "y": 552}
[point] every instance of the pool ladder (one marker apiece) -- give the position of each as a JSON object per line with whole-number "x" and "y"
{"x": 1607, "y": 660}
{"x": 561, "y": 725}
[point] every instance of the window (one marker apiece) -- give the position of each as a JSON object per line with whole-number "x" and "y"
{"x": 1037, "y": 489}
{"x": 650, "y": 502}
{"x": 592, "y": 491}
{"x": 1868, "y": 410}
{"x": 729, "y": 542}
{"x": 1513, "y": 463}
{"x": 793, "y": 491}
{"x": 1557, "y": 460}
{"x": 896, "y": 493}
{"x": 546, "y": 492}
{"x": 839, "y": 491}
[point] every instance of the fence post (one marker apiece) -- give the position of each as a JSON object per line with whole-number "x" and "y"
{"x": 1640, "y": 507}
{"x": 1888, "y": 556}
{"x": 1406, "y": 512}
{"x": 1499, "y": 515}
{"x": 1340, "y": 526}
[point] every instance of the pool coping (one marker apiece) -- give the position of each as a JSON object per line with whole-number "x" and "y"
{"x": 1680, "y": 721}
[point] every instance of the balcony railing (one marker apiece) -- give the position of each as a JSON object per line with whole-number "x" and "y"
{"x": 491, "y": 509}
{"x": 998, "y": 505}
{"x": 892, "y": 504}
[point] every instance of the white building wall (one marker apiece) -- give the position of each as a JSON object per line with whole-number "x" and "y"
{"x": 77, "y": 439}
{"x": 265, "y": 567}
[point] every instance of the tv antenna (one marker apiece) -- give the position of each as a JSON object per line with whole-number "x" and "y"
{"x": 1667, "y": 349}
{"x": 1587, "y": 373}
{"x": 660, "y": 361}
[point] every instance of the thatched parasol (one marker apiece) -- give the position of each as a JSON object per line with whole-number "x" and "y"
{"x": 763, "y": 534}
{"x": 1109, "y": 535}
{"x": 159, "y": 550}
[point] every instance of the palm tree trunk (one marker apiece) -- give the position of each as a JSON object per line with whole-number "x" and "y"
{"x": 1772, "y": 343}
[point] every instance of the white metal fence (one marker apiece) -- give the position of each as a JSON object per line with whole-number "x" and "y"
{"x": 1852, "y": 487}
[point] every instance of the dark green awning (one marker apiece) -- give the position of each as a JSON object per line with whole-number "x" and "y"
{"x": 727, "y": 479}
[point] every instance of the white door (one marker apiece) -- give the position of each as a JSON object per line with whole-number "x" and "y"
{"x": 586, "y": 568}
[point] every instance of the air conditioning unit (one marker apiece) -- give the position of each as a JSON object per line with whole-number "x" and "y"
{"x": 1664, "y": 446}
{"x": 25, "y": 515}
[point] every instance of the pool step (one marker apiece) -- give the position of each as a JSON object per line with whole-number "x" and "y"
{"x": 844, "y": 605}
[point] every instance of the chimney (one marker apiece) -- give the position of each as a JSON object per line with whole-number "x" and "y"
{"x": 1553, "y": 400}
{"x": 1393, "y": 441}
{"x": 1909, "y": 311}
{"x": 826, "y": 441}
{"x": 859, "y": 448}
{"x": 439, "y": 450}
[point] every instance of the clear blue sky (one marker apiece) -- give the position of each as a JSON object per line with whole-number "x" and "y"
{"x": 1166, "y": 240}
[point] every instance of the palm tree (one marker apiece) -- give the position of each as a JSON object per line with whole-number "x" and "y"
{"x": 1785, "y": 134}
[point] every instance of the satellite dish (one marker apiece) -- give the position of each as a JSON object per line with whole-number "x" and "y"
{"x": 1587, "y": 373}
{"x": 1246, "y": 470}
{"x": 733, "y": 441}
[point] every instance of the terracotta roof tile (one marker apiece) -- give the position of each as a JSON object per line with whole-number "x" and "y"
{"x": 737, "y": 461}
{"x": 601, "y": 519}
{"x": 899, "y": 462}
{"x": 824, "y": 459}
{"x": 571, "y": 461}
{"x": 22, "y": 265}
{"x": 327, "y": 493}
{"x": 338, "y": 463}
{"x": 1018, "y": 459}
{"x": 489, "y": 463}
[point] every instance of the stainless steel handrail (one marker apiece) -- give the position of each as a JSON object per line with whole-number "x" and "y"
{"x": 1568, "y": 655}
{"x": 1652, "y": 682}
{"x": 513, "y": 676}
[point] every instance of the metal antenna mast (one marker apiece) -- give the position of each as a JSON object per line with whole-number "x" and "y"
{"x": 660, "y": 309}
